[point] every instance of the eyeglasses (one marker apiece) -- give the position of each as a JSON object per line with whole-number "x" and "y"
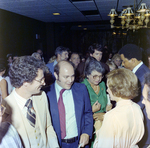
{"x": 2, "y": 110}
{"x": 96, "y": 76}
{"x": 40, "y": 81}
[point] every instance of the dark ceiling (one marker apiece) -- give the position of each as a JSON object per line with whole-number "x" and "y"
{"x": 85, "y": 11}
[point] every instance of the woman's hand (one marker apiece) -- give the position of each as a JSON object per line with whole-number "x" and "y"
{"x": 108, "y": 107}
{"x": 96, "y": 107}
{"x": 97, "y": 125}
{"x": 98, "y": 116}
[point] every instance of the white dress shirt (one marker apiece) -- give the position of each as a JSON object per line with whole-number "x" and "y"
{"x": 137, "y": 67}
{"x": 71, "y": 125}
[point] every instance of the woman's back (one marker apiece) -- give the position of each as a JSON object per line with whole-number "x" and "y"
{"x": 122, "y": 126}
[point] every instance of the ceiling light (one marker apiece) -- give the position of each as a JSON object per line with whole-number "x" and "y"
{"x": 56, "y": 13}
{"x": 131, "y": 19}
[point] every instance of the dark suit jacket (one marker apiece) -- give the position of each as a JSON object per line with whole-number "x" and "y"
{"x": 83, "y": 110}
{"x": 51, "y": 69}
{"x": 142, "y": 70}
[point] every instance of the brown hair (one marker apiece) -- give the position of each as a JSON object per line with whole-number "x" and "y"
{"x": 123, "y": 83}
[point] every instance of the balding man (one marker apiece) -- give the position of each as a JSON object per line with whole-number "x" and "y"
{"x": 73, "y": 123}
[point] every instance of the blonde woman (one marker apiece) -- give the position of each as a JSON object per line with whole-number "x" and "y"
{"x": 117, "y": 60}
{"x": 122, "y": 126}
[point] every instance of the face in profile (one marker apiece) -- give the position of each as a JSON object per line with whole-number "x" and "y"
{"x": 111, "y": 96}
{"x": 97, "y": 55}
{"x": 35, "y": 86}
{"x": 95, "y": 77}
{"x": 64, "y": 55}
{"x": 145, "y": 100}
{"x": 126, "y": 63}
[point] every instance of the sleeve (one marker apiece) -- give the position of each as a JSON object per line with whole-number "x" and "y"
{"x": 51, "y": 135}
{"x": 105, "y": 136}
{"x": 88, "y": 115}
{"x": 11, "y": 137}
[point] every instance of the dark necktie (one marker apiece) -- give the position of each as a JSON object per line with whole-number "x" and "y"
{"x": 30, "y": 112}
{"x": 62, "y": 115}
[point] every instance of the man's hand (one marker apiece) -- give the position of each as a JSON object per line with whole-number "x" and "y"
{"x": 98, "y": 116}
{"x": 96, "y": 107}
{"x": 84, "y": 139}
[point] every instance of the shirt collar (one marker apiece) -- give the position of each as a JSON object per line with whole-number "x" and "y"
{"x": 59, "y": 88}
{"x": 137, "y": 67}
{"x": 20, "y": 100}
{"x": 55, "y": 62}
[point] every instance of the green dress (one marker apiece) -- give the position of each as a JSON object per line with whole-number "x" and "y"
{"x": 101, "y": 97}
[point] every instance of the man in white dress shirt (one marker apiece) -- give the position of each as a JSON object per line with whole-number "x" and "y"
{"x": 78, "y": 122}
{"x": 27, "y": 76}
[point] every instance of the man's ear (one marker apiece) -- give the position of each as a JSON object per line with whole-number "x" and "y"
{"x": 58, "y": 55}
{"x": 134, "y": 60}
{"x": 25, "y": 84}
{"x": 91, "y": 55}
{"x": 56, "y": 76}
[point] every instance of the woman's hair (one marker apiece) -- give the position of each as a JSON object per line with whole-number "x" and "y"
{"x": 25, "y": 69}
{"x": 123, "y": 83}
{"x": 91, "y": 65}
{"x": 116, "y": 56}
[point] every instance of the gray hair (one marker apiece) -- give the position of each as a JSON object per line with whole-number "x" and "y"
{"x": 91, "y": 65}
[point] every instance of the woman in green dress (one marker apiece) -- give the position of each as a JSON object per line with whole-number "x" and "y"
{"x": 93, "y": 74}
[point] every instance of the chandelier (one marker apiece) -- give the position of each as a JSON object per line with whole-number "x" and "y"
{"x": 131, "y": 20}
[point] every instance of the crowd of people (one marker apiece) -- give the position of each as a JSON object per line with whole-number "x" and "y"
{"x": 102, "y": 101}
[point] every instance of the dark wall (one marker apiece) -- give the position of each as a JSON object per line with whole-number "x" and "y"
{"x": 18, "y": 34}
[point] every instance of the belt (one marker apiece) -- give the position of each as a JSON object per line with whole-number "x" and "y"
{"x": 71, "y": 140}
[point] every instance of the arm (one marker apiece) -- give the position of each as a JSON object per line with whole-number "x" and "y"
{"x": 4, "y": 88}
{"x": 88, "y": 119}
{"x": 50, "y": 133}
{"x": 100, "y": 116}
{"x": 106, "y": 135}
{"x": 84, "y": 139}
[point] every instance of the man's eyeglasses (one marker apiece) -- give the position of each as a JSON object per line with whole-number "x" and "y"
{"x": 2, "y": 110}
{"x": 96, "y": 76}
{"x": 41, "y": 80}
